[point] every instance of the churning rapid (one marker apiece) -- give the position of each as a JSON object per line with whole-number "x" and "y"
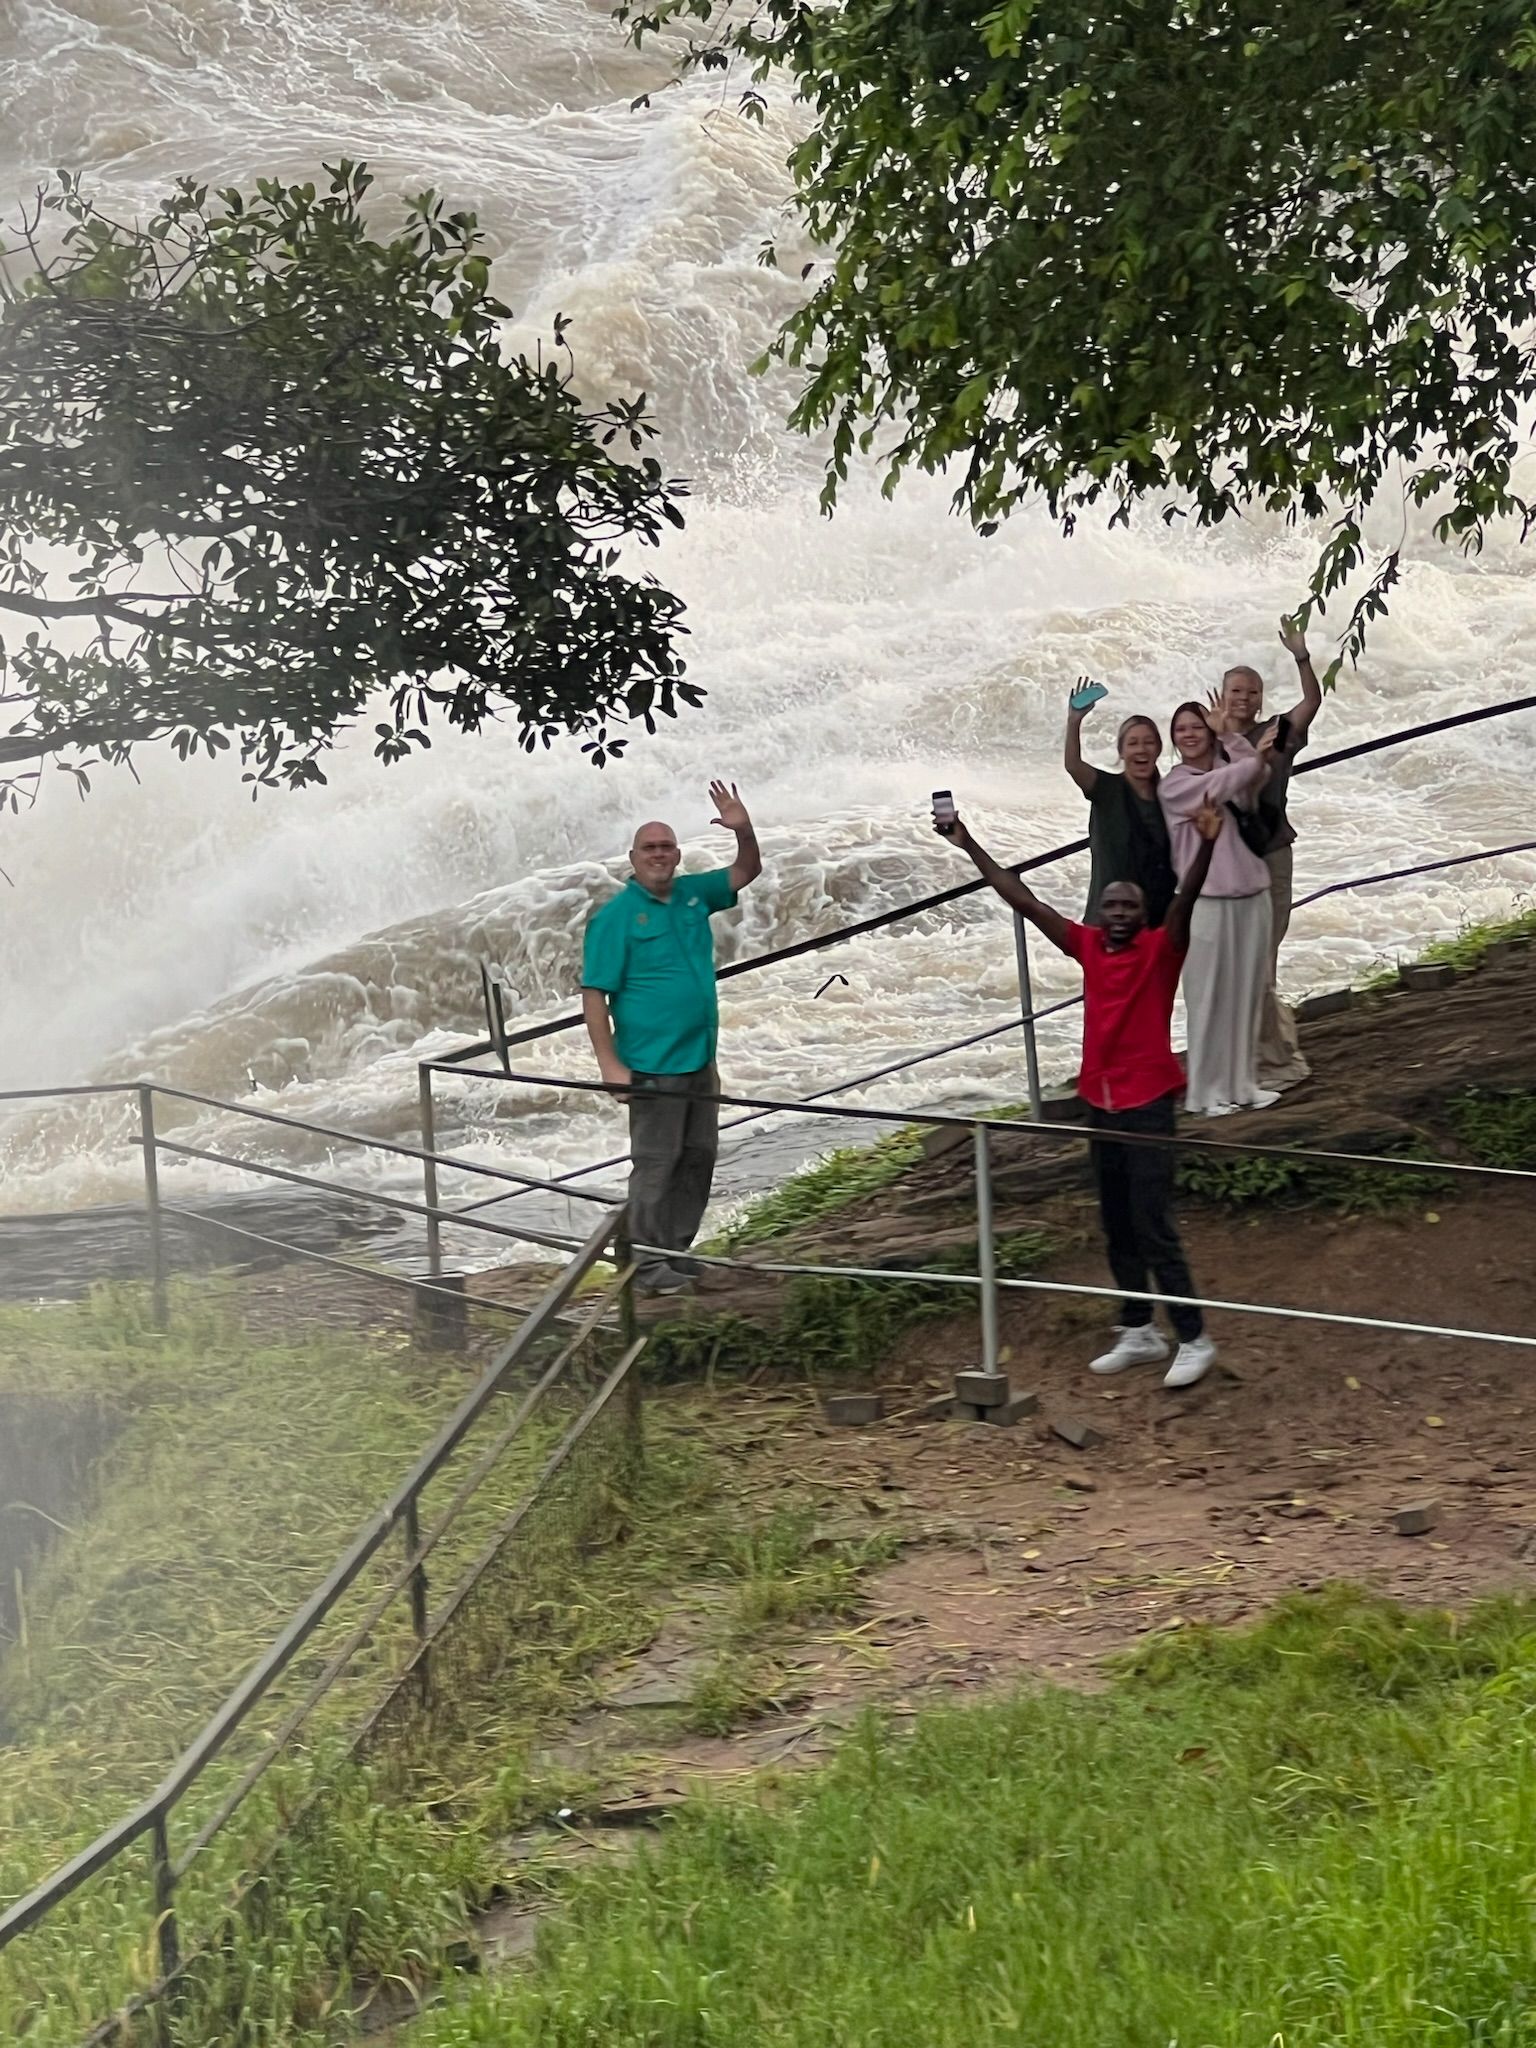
{"x": 302, "y": 952}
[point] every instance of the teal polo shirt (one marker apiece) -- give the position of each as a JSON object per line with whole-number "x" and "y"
{"x": 655, "y": 962}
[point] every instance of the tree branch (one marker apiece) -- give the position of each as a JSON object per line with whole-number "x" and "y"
{"x": 105, "y": 606}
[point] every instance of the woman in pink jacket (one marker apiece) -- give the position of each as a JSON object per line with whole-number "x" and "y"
{"x": 1227, "y": 969}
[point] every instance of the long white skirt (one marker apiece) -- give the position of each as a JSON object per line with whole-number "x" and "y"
{"x": 1225, "y": 978}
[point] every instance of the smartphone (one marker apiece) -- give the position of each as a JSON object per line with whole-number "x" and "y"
{"x": 944, "y": 812}
{"x": 1282, "y": 734}
{"x": 1085, "y": 698}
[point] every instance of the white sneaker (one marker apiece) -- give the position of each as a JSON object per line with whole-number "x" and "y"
{"x": 1191, "y": 1362}
{"x": 1140, "y": 1345}
{"x": 1262, "y": 1098}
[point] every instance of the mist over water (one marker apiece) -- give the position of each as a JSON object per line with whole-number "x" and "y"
{"x": 304, "y": 951}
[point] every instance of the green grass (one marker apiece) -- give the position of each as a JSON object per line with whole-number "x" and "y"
{"x": 236, "y": 1472}
{"x": 818, "y": 1191}
{"x": 1497, "y": 1127}
{"x": 1465, "y": 951}
{"x": 828, "y": 1327}
{"x": 1316, "y": 1834}
{"x": 833, "y": 1183}
{"x": 1245, "y": 1183}
{"x": 785, "y": 1577}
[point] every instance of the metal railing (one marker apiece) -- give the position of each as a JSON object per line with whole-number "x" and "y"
{"x": 981, "y": 1130}
{"x": 500, "y": 1043}
{"x": 863, "y": 927}
{"x": 593, "y": 1366}
{"x": 563, "y": 1183}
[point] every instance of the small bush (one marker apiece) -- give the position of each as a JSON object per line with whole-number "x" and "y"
{"x": 835, "y": 1325}
{"x": 842, "y": 1177}
{"x": 1243, "y": 1183}
{"x": 1498, "y": 1129}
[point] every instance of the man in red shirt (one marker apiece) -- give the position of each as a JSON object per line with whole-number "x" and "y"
{"x": 1130, "y": 1080}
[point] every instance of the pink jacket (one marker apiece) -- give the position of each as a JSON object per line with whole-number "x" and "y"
{"x": 1235, "y": 870}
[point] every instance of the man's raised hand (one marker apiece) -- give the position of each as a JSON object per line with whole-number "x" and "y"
{"x": 730, "y": 811}
{"x": 1209, "y": 820}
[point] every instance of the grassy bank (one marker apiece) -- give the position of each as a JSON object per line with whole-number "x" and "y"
{"x": 234, "y": 1474}
{"x": 1318, "y": 1833}
{"x": 827, "y": 1328}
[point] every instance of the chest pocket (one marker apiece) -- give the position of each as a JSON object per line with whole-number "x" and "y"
{"x": 653, "y": 945}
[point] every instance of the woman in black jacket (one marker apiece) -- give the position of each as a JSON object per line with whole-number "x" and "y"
{"x": 1127, "y": 833}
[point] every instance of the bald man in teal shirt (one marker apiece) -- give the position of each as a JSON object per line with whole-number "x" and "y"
{"x": 648, "y": 998}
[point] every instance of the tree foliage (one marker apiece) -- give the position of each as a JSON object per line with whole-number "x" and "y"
{"x": 290, "y": 466}
{"x": 1208, "y": 253}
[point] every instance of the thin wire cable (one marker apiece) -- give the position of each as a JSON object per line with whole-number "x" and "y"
{"x": 385, "y": 1273}
{"x": 1428, "y": 867}
{"x": 367, "y": 1197}
{"x": 1076, "y": 1133}
{"x": 1246, "y": 1308}
{"x": 364, "y": 1139}
{"x": 902, "y": 1276}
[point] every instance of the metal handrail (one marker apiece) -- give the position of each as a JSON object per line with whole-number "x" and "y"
{"x": 365, "y": 1139}
{"x": 902, "y": 1066}
{"x": 455, "y": 1063}
{"x": 415, "y": 1558}
{"x": 934, "y": 1119}
{"x": 864, "y": 926}
{"x": 400, "y": 1203}
{"x": 151, "y": 1814}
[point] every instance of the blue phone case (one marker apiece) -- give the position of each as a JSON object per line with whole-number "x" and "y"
{"x": 1084, "y": 700}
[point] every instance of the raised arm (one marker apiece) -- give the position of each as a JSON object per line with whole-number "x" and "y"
{"x": 1208, "y": 823}
{"x": 1016, "y": 894}
{"x": 1301, "y": 715}
{"x": 1082, "y": 774}
{"x": 731, "y": 812}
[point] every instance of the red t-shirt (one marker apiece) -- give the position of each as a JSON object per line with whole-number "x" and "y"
{"x": 1127, "y": 1017}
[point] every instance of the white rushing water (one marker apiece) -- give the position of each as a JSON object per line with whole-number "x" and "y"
{"x": 301, "y": 953}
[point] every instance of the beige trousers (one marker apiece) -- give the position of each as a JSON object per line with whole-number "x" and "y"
{"x": 1225, "y": 973}
{"x": 1281, "y": 1062}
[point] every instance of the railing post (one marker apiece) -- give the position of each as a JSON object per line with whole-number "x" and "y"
{"x": 152, "y": 1206}
{"x": 429, "y": 1170}
{"x": 986, "y": 1253}
{"x": 165, "y": 1918}
{"x": 1027, "y": 1004}
{"x": 629, "y": 1326}
{"x": 411, "y": 1528}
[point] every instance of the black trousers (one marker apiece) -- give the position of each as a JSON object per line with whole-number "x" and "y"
{"x": 674, "y": 1136}
{"x": 1135, "y": 1185}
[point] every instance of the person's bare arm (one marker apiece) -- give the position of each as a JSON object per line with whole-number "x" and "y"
{"x": 1301, "y": 715}
{"x": 599, "y": 1023}
{"x": 1015, "y": 893}
{"x": 731, "y": 812}
{"x": 1208, "y": 822}
{"x": 1085, "y": 776}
